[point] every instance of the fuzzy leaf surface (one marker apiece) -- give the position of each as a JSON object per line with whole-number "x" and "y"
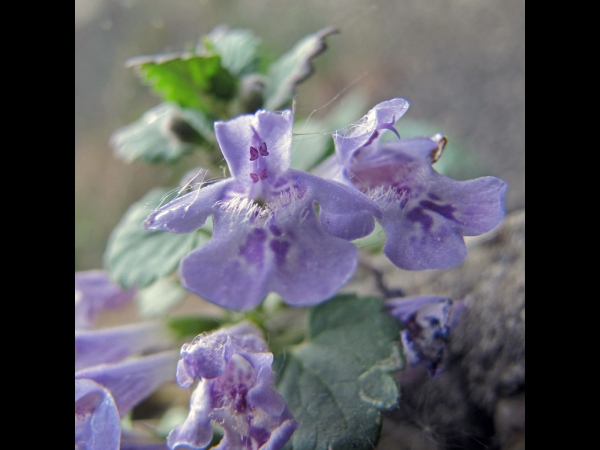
{"x": 338, "y": 381}
{"x": 292, "y": 68}
{"x": 163, "y": 133}
{"x": 238, "y": 49}
{"x": 136, "y": 257}
{"x": 160, "y": 297}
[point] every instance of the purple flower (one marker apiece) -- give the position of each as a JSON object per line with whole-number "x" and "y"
{"x": 235, "y": 390}
{"x": 425, "y": 215}
{"x": 106, "y": 387}
{"x": 106, "y": 392}
{"x": 117, "y": 343}
{"x": 266, "y": 235}
{"x": 95, "y": 292}
{"x": 427, "y": 323}
{"x": 97, "y": 424}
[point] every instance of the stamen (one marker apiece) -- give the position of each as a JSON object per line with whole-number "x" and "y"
{"x": 390, "y": 126}
{"x": 262, "y": 174}
{"x": 254, "y": 177}
{"x": 253, "y": 154}
{"x": 263, "y": 149}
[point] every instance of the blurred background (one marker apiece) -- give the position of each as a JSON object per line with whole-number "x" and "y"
{"x": 459, "y": 62}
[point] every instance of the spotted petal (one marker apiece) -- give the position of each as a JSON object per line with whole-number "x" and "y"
{"x": 239, "y": 395}
{"x": 236, "y": 136}
{"x": 427, "y": 232}
{"x": 287, "y": 252}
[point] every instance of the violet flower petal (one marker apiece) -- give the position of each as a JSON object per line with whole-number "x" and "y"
{"x": 426, "y": 232}
{"x": 208, "y": 354}
{"x": 427, "y": 322}
{"x": 97, "y": 422}
{"x": 196, "y": 432}
{"x": 478, "y": 204}
{"x": 425, "y": 215}
{"x": 289, "y": 254}
{"x": 130, "y": 382}
{"x": 348, "y": 226}
{"x": 188, "y": 212}
{"x": 115, "y": 344}
{"x": 94, "y": 292}
{"x": 262, "y": 395}
{"x": 241, "y": 398}
{"x": 345, "y": 212}
{"x": 362, "y": 133}
{"x": 332, "y": 196}
{"x": 236, "y": 136}
{"x": 422, "y": 241}
{"x": 404, "y": 309}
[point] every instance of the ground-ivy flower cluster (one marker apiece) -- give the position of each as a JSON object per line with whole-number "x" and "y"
{"x": 268, "y": 229}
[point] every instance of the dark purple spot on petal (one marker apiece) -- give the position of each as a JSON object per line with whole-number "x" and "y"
{"x": 443, "y": 210}
{"x": 253, "y": 154}
{"x": 263, "y": 149}
{"x": 280, "y": 248}
{"x": 433, "y": 196}
{"x": 262, "y": 174}
{"x": 253, "y": 250}
{"x": 254, "y": 177}
{"x": 275, "y": 230}
{"x": 418, "y": 215}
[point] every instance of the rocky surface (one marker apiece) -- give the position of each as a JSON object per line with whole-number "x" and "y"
{"x": 479, "y": 401}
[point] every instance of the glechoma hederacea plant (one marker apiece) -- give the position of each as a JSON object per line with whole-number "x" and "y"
{"x": 267, "y": 225}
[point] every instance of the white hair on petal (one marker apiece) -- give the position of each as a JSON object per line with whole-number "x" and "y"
{"x": 384, "y": 196}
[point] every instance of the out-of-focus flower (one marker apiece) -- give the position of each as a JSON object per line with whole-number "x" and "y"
{"x": 427, "y": 323}
{"x": 424, "y": 214}
{"x": 266, "y": 234}
{"x": 236, "y": 390}
{"x": 108, "y": 383}
{"x": 95, "y": 292}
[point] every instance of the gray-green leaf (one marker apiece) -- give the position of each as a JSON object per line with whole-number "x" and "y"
{"x": 136, "y": 257}
{"x": 163, "y": 133}
{"x": 161, "y": 296}
{"x": 238, "y": 49}
{"x": 310, "y": 145}
{"x": 337, "y": 382}
{"x": 292, "y": 68}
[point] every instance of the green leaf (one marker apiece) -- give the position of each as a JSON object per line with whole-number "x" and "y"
{"x": 238, "y": 49}
{"x": 158, "y": 298}
{"x": 293, "y": 68}
{"x": 337, "y": 382}
{"x": 185, "y": 326}
{"x": 163, "y": 133}
{"x": 187, "y": 79}
{"x": 136, "y": 257}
